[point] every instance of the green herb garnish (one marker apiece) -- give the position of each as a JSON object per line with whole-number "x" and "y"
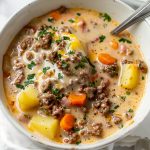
{"x": 123, "y": 98}
{"x": 102, "y": 38}
{"x": 125, "y": 40}
{"x": 92, "y": 84}
{"x": 30, "y": 76}
{"x": 131, "y": 110}
{"x": 60, "y": 76}
{"x": 31, "y": 65}
{"x": 55, "y": 91}
{"x": 26, "y": 83}
{"x": 51, "y": 19}
{"x": 64, "y": 64}
{"x": 79, "y": 142}
{"x": 71, "y": 20}
{"x": 45, "y": 69}
{"x": 143, "y": 78}
{"x": 78, "y": 14}
{"x": 105, "y": 16}
{"x": 19, "y": 86}
{"x": 71, "y": 52}
{"x": 128, "y": 92}
{"x": 66, "y": 38}
{"x": 76, "y": 129}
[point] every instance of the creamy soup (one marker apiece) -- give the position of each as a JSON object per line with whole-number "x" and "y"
{"x": 67, "y": 79}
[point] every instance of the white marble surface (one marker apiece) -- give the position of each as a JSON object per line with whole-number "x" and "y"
{"x": 10, "y": 138}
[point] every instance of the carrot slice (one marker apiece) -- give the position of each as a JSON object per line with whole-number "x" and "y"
{"x": 55, "y": 15}
{"x": 114, "y": 45}
{"x": 77, "y": 99}
{"x": 67, "y": 122}
{"x": 106, "y": 59}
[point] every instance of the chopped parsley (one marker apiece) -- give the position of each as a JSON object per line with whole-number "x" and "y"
{"x": 105, "y": 16}
{"x": 102, "y": 38}
{"x": 55, "y": 91}
{"x": 45, "y": 69}
{"x": 123, "y": 98}
{"x": 71, "y": 52}
{"x": 143, "y": 78}
{"x": 76, "y": 129}
{"x": 19, "y": 86}
{"x": 64, "y": 64}
{"x": 131, "y": 110}
{"x": 51, "y": 19}
{"x": 30, "y": 76}
{"x": 60, "y": 76}
{"x": 26, "y": 83}
{"x": 71, "y": 20}
{"x": 93, "y": 71}
{"x": 78, "y": 142}
{"x": 117, "y": 106}
{"x": 58, "y": 41}
{"x": 78, "y": 14}
{"x": 59, "y": 56}
{"x": 31, "y": 65}
{"x": 121, "y": 126}
{"x": 92, "y": 84}
{"x": 128, "y": 93}
{"x": 125, "y": 40}
{"x": 66, "y": 38}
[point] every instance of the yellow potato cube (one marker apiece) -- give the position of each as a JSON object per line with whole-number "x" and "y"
{"x": 129, "y": 76}
{"x": 28, "y": 98}
{"x": 46, "y": 126}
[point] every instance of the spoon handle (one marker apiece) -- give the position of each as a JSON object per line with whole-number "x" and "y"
{"x": 140, "y": 14}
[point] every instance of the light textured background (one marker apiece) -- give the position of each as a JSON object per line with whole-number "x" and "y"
{"x": 11, "y": 139}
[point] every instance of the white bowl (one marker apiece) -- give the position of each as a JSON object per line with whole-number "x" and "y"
{"x": 118, "y": 11}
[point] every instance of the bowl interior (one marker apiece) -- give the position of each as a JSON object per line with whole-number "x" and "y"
{"x": 118, "y": 11}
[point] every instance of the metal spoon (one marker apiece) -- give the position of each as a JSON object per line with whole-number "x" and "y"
{"x": 139, "y": 15}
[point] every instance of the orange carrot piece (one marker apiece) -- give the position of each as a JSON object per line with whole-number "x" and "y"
{"x": 114, "y": 45}
{"x": 106, "y": 59}
{"x": 67, "y": 122}
{"x": 55, "y": 15}
{"x": 77, "y": 99}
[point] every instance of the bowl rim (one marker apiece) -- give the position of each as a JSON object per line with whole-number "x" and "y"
{"x": 100, "y": 143}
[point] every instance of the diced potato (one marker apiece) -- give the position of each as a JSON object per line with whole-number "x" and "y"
{"x": 75, "y": 44}
{"x": 28, "y": 98}
{"x": 129, "y": 76}
{"x": 47, "y": 126}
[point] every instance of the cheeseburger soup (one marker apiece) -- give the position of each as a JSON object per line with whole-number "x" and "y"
{"x": 67, "y": 79}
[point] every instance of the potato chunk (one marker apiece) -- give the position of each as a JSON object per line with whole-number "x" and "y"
{"x": 28, "y": 98}
{"x": 129, "y": 76}
{"x": 47, "y": 126}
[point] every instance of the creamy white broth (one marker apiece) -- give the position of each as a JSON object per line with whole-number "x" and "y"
{"x": 92, "y": 30}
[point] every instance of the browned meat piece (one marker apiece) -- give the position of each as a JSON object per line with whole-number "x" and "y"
{"x": 125, "y": 61}
{"x": 29, "y": 55}
{"x": 71, "y": 138}
{"x": 19, "y": 77}
{"x": 96, "y": 129}
{"x": 105, "y": 106}
{"x": 57, "y": 111}
{"x": 82, "y": 24}
{"x": 52, "y": 56}
{"x": 24, "y": 118}
{"x": 142, "y": 66}
{"x": 65, "y": 29}
{"x": 84, "y": 76}
{"x": 90, "y": 92}
{"x": 18, "y": 65}
{"x": 128, "y": 115}
{"x": 45, "y": 85}
{"x": 112, "y": 70}
{"x": 26, "y": 43}
{"x": 45, "y": 41}
{"x": 46, "y": 98}
{"x": 30, "y": 30}
{"x": 62, "y": 9}
{"x": 116, "y": 119}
